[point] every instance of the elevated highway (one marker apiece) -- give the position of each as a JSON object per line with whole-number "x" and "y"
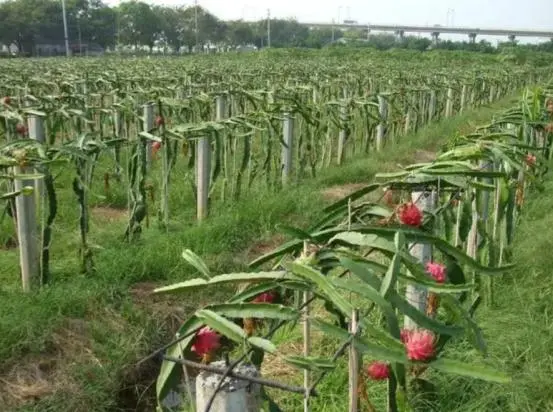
{"x": 436, "y": 30}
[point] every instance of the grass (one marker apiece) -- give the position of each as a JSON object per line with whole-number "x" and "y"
{"x": 519, "y": 328}
{"x": 74, "y": 344}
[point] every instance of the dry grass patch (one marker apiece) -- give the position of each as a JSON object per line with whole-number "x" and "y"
{"x": 264, "y": 246}
{"x": 104, "y": 214}
{"x": 424, "y": 156}
{"x": 171, "y": 310}
{"x": 338, "y": 192}
{"x": 37, "y": 376}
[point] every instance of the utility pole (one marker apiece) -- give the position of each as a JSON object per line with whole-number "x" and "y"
{"x": 65, "y": 34}
{"x": 450, "y": 17}
{"x": 268, "y": 27}
{"x": 118, "y": 47}
{"x": 79, "y": 15}
{"x": 196, "y": 23}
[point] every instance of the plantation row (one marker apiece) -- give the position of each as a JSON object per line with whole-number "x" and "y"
{"x": 390, "y": 280}
{"x": 123, "y": 129}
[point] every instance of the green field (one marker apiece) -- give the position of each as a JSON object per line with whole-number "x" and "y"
{"x": 74, "y": 341}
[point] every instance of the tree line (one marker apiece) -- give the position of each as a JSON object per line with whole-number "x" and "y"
{"x": 29, "y": 23}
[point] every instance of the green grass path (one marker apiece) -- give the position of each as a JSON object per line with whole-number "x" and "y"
{"x": 74, "y": 344}
{"x": 519, "y": 328}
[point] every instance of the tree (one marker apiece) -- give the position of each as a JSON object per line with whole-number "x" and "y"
{"x": 23, "y": 22}
{"x": 240, "y": 32}
{"x": 355, "y": 34}
{"x": 138, "y": 24}
{"x": 318, "y": 38}
{"x": 170, "y": 25}
{"x": 102, "y": 26}
{"x": 286, "y": 33}
{"x": 417, "y": 43}
{"x": 384, "y": 41}
{"x": 210, "y": 28}
{"x": 190, "y": 26}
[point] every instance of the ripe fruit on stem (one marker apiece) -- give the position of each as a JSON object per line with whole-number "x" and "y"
{"x": 378, "y": 371}
{"x": 409, "y": 214}
{"x": 155, "y": 147}
{"x": 160, "y": 121}
{"x": 206, "y": 342}
{"x": 21, "y": 129}
{"x": 267, "y": 297}
{"x": 437, "y": 271}
{"x": 420, "y": 345}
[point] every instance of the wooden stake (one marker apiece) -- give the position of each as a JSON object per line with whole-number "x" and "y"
{"x": 354, "y": 367}
{"x": 343, "y": 135}
{"x": 203, "y": 171}
{"x": 26, "y": 232}
{"x": 383, "y": 114}
{"x": 306, "y": 340}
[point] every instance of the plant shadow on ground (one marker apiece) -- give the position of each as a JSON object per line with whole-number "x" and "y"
{"x": 74, "y": 345}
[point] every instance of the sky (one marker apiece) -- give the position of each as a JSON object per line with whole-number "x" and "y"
{"x": 528, "y": 14}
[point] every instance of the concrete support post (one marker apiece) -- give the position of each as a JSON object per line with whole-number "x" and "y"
{"x": 400, "y": 34}
{"x": 147, "y": 126}
{"x": 463, "y": 98}
{"x": 435, "y": 38}
{"x": 432, "y": 106}
{"x": 449, "y": 103}
{"x": 235, "y": 395}
{"x": 414, "y": 294}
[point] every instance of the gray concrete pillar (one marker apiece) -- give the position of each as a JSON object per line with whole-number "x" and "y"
{"x": 400, "y": 35}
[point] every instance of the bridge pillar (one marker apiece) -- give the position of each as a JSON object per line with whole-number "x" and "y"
{"x": 472, "y": 38}
{"x": 435, "y": 38}
{"x": 399, "y": 35}
{"x": 512, "y": 38}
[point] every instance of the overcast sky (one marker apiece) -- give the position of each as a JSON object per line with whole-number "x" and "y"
{"x": 528, "y": 14}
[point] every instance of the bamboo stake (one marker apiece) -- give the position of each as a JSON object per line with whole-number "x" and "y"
{"x": 354, "y": 366}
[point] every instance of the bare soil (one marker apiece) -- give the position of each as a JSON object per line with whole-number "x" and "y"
{"x": 108, "y": 214}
